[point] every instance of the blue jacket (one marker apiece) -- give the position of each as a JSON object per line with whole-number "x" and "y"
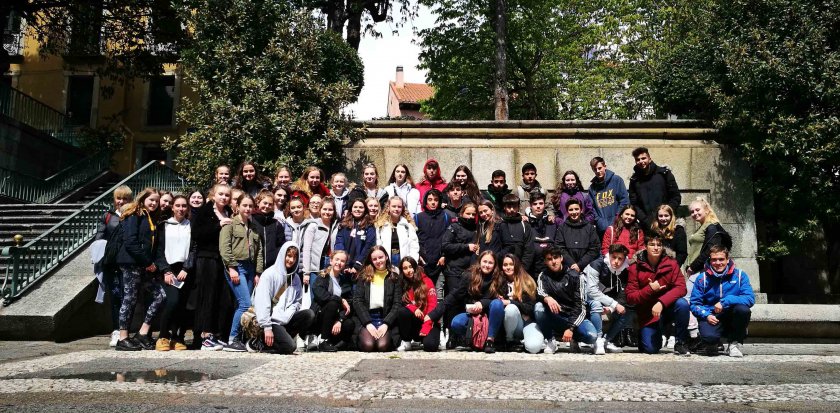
{"x": 608, "y": 197}
{"x": 431, "y": 225}
{"x": 730, "y": 288}
{"x": 362, "y": 240}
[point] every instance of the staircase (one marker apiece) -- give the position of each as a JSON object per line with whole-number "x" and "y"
{"x": 30, "y": 221}
{"x": 101, "y": 189}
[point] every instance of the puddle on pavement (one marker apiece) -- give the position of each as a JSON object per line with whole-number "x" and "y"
{"x": 151, "y": 376}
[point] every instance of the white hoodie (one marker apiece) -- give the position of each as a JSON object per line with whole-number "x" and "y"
{"x": 271, "y": 281}
{"x": 409, "y": 195}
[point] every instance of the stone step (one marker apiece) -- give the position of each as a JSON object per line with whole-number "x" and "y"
{"x": 32, "y": 218}
{"x": 37, "y": 212}
{"x": 25, "y": 226}
{"x": 6, "y": 207}
{"x": 795, "y": 320}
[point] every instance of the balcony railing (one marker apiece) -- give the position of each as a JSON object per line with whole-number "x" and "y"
{"x": 13, "y": 42}
{"x": 25, "y": 109}
{"x": 42, "y": 191}
{"x": 35, "y": 260}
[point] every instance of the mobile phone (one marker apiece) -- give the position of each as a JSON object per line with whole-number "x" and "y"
{"x": 177, "y": 283}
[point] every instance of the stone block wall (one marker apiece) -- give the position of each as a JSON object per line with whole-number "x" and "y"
{"x": 701, "y": 166}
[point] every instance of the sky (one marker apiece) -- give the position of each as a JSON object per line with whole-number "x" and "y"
{"x": 381, "y": 57}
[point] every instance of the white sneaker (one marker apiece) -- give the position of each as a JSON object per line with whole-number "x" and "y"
{"x": 612, "y": 348}
{"x": 405, "y": 346}
{"x": 115, "y": 336}
{"x": 574, "y": 347}
{"x": 734, "y": 349}
{"x": 443, "y": 340}
{"x": 599, "y": 346}
{"x": 550, "y": 346}
{"x": 584, "y": 346}
{"x": 671, "y": 342}
{"x": 300, "y": 343}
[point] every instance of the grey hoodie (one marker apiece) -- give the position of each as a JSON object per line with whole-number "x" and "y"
{"x": 271, "y": 281}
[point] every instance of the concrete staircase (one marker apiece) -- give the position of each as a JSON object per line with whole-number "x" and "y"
{"x": 29, "y": 220}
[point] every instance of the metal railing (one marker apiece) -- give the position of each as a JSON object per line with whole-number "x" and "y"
{"x": 25, "y": 109}
{"x": 33, "y": 261}
{"x": 13, "y": 42}
{"x": 41, "y": 191}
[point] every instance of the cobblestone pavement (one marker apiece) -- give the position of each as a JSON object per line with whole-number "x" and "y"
{"x": 769, "y": 373}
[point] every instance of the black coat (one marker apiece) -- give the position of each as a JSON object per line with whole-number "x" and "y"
{"x": 714, "y": 235}
{"x": 518, "y": 239}
{"x": 272, "y": 234}
{"x": 106, "y": 226}
{"x": 431, "y": 226}
{"x": 455, "y": 248}
{"x": 495, "y": 243}
{"x": 391, "y": 304}
{"x": 206, "y": 229}
{"x": 162, "y": 265}
{"x": 678, "y": 244}
{"x": 578, "y": 242}
{"x": 568, "y": 289}
{"x": 648, "y": 191}
{"x": 545, "y": 231}
{"x": 322, "y": 294}
{"x": 495, "y": 196}
{"x": 138, "y": 249}
{"x": 526, "y": 306}
{"x": 461, "y": 296}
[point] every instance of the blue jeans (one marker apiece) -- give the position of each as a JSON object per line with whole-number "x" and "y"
{"x": 495, "y": 317}
{"x": 395, "y": 260}
{"x": 548, "y": 322}
{"x": 242, "y": 292}
{"x": 651, "y": 335}
{"x": 618, "y": 320}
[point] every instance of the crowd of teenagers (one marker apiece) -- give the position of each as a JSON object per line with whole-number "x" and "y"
{"x": 261, "y": 265}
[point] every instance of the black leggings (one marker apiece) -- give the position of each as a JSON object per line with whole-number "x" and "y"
{"x": 284, "y": 342}
{"x": 174, "y": 313}
{"x": 410, "y": 327}
{"x": 327, "y": 317}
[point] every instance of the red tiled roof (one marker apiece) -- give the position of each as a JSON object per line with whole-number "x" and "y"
{"x": 413, "y": 92}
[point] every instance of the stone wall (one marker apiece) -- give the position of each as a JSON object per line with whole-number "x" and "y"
{"x": 29, "y": 151}
{"x": 701, "y": 166}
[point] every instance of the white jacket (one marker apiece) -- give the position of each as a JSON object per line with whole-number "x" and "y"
{"x": 409, "y": 195}
{"x": 409, "y": 245}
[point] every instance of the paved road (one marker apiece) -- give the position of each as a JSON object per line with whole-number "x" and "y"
{"x": 83, "y": 376}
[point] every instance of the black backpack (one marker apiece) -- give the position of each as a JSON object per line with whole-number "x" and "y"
{"x": 113, "y": 245}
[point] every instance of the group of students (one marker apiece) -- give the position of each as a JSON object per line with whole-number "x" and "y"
{"x": 265, "y": 265}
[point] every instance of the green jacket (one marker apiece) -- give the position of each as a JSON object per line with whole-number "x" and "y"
{"x": 234, "y": 244}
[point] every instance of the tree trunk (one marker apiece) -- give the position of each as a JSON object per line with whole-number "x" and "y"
{"x": 500, "y": 77}
{"x": 354, "y": 29}
{"x": 832, "y": 240}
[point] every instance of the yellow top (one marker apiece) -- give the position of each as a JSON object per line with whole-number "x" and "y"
{"x": 379, "y": 277}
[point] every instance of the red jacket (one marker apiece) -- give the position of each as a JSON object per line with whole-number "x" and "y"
{"x": 623, "y": 238}
{"x": 639, "y": 293}
{"x": 424, "y": 185}
{"x": 307, "y": 193}
{"x": 431, "y": 303}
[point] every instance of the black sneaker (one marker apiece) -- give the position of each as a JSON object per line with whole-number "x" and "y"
{"x": 235, "y": 346}
{"x": 326, "y": 346}
{"x": 712, "y": 350}
{"x": 696, "y": 344}
{"x": 146, "y": 342}
{"x": 513, "y": 347}
{"x": 128, "y": 344}
{"x": 489, "y": 347}
{"x": 681, "y": 348}
{"x": 452, "y": 343}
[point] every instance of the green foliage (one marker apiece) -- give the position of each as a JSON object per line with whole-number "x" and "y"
{"x": 768, "y": 73}
{"x": 110, "y": 136}
{"x": 270, "y": 83}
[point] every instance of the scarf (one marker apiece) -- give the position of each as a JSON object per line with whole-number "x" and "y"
{"x": 528, "y": 188}
{"x": 468, "y": 224}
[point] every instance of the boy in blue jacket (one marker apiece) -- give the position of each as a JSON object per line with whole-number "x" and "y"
{"x": 721, "y": 301}
{"x": 608, "y": 194}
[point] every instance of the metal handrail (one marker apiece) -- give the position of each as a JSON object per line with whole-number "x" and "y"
{"x": 28, "y": 188}
{"x": 26, "y": 109}
{"x": 35, "y": 260}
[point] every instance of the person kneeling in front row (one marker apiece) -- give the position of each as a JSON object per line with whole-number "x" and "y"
{"x": 721, "y": 301}
{"x": 560, "y": 304}
{"x": 606, "y": 279}
{"x": 281, "y": 321}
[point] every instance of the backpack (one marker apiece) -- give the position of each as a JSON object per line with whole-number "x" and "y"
{"x": 249, "y": 322}
{"x": 113, "y": 245}
{"x": 477, "y": 329}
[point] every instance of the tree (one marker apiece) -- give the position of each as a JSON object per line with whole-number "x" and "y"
{"x": 361, "y": 16}
{"x": 768, "y": 74}
{"x": 270, "y": 84}
{"x": 125, "y": 39}
{"x": 563, "y": 57}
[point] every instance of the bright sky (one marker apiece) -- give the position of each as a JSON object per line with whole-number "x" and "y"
{"x": 381, "y": 57}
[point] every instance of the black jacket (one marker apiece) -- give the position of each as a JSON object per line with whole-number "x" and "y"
{"x": 495, "y": 243}
{"x": 322, "y": 294}
{"x": 272, "y": 234}
{"x": 206, "y": 229}
{"x": 461, "y": 296}
{"x": 568, "y": 289}
{"x": 453, "y": 212}
{"x": 545, "y": 231}
{"x": 678, "y": 244}
{"x": 455, "y": 248}
{"x": 578, "y": 242}
{"x": 160, "y": 256}
{"x": 495, "y": 196}
{"x": 391, "y": 303}
{"x": 648, "y": 191}
{"x": 431, "y": 226}
{"x": 358, "y": 192}
{"x": 138, "y": 249}
{"x": 610, "y": 284}
{"x": 714, "y": 235}
{"x": 106, "y": 226}
{"x": 526, "y": 306}
{"x": 518, "y": 239}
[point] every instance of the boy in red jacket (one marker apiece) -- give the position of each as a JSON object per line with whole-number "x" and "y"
{"x": 655, "y": 286}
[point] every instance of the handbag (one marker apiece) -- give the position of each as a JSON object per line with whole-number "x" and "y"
{"x": 248, "y": 321}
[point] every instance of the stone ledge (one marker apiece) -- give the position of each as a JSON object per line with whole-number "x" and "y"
{"x": 795, "y": 320}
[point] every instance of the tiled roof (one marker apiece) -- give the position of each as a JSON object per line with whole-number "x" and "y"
{"x": 413, "y": 92}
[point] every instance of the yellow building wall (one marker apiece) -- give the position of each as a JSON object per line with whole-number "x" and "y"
{"x": 45, "y": 79}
